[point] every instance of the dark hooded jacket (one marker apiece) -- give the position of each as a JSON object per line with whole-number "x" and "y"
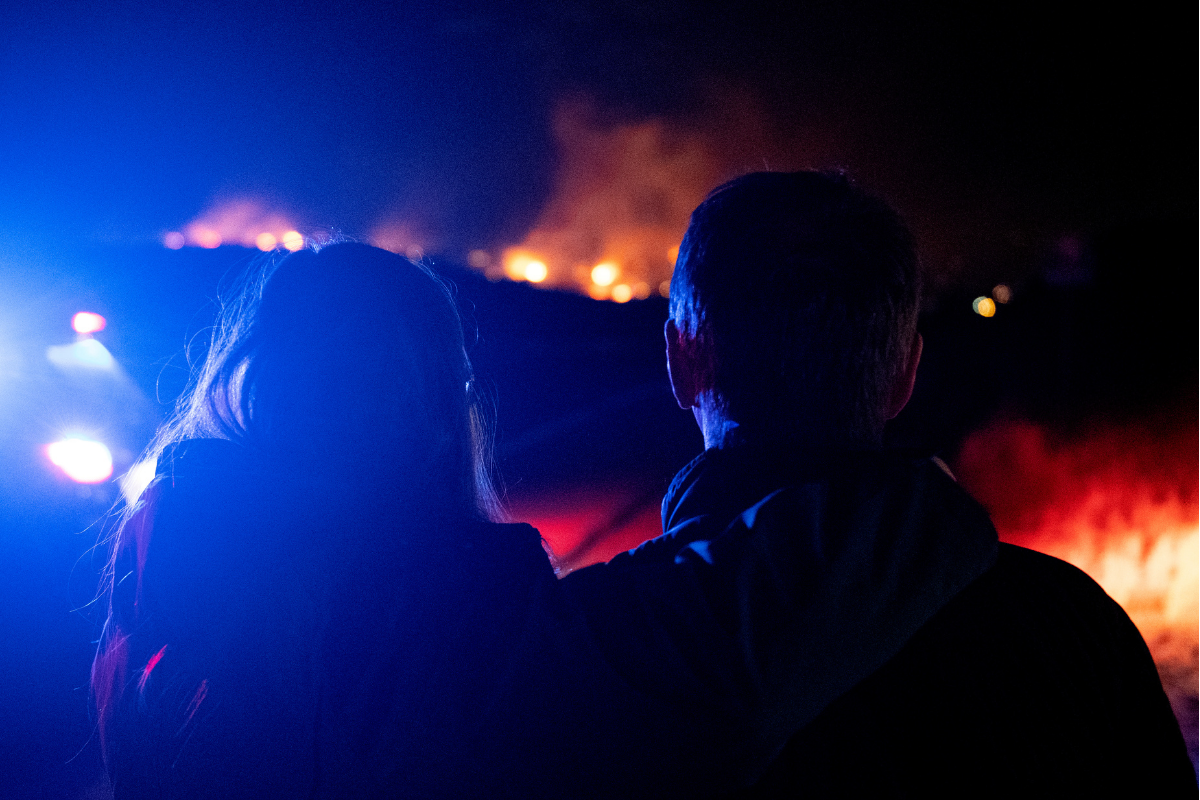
{"x": 865, "y": 544}
{"x": 1031, "y": 681}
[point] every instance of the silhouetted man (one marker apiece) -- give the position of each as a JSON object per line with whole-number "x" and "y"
{"x": 792, "y": 339}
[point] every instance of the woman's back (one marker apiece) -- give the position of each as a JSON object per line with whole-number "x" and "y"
{"x": 324, "y": 473}
{"x": 261, "y": 664}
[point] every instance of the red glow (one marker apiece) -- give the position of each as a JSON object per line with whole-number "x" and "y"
{"x": 588, "y": 525}
{"x": 1122, "y": 504}
{"x": 150, "y": 665}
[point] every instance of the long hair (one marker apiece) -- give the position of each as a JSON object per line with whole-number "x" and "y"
{"x": 346, "y": 363}
{"x": 353, "y": 355}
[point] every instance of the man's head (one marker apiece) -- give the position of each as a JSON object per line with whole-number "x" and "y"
{"x": 793, "y": 310}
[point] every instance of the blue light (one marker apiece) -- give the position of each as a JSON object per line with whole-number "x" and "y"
{"x": 84, "y": 354}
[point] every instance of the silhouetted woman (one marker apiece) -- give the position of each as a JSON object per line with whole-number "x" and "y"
{"x": 320, "y": 492}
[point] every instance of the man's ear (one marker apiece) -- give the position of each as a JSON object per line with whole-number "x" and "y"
{"x": 903, "y": 388}
{"x": 681, "y": 366}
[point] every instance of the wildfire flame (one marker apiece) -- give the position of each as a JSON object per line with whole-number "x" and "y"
{"x": 1122, "y": 505}
{"x": 620, "y": 204}
{"x": 242, "y": 221}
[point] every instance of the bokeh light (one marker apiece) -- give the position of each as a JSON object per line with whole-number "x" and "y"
{"x": 479, "y": 259}
{"x": 87, "y": 322}
{"x": 622, "y": 293}
{"x": 292, "y": 240}
{"x": 81, "y": 460}
{"x": 605, "y": 273}
{"x": 1002, "y": 293}
{"x": 524, "y": 266}
{"x": 984, "y": 306}
{"x": 536, "y": 272}
{"x": 244, "y": 221}
{"x": 207, "y": 238}
{"x": 173, "y": 240}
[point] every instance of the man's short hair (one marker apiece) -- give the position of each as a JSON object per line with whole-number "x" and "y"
{"x": 803, "y": 292}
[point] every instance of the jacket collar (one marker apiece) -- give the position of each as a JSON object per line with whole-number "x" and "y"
{"x": 722, "y": 482}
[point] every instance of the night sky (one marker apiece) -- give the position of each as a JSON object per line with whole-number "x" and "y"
{"x": 995, "y": 130}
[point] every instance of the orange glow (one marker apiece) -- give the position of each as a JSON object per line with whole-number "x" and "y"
{"x": 87, "y": 322}
{"x": 598, "y": 292}
{"x": 515, "y": 263}
{"x": 174, "y": 240}
{"x": 206, "y": 238}
{"x": 243, "y": 221}
{"x": 984, "y": 306}
{"x": 622, "y": 196}
{"x": 520, "y": 265}
{"x": 641, "y": 290}
{"x": 605, "y": 273}
{"x": 624, "y": 191}
{"x": 479, "y": 259}
{"x": 664, "y": 288}
{"x": 515, "y": 270}
{"x": 535, "y": 272}
{"x": 292, "y": 240}
{"x": 1121, "y": 504}
{"x": 622, "y": 293}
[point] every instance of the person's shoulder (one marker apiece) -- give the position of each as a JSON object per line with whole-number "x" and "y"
{"x": 499, "y": 553}
{"x": 1033, "y": 570}
{"x": 1032, "y": 595}
{"x": 501, "y": 542}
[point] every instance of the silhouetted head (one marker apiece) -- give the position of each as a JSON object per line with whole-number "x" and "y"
{"x": 793, "y": 308}
{"x": 348, "y": 361}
